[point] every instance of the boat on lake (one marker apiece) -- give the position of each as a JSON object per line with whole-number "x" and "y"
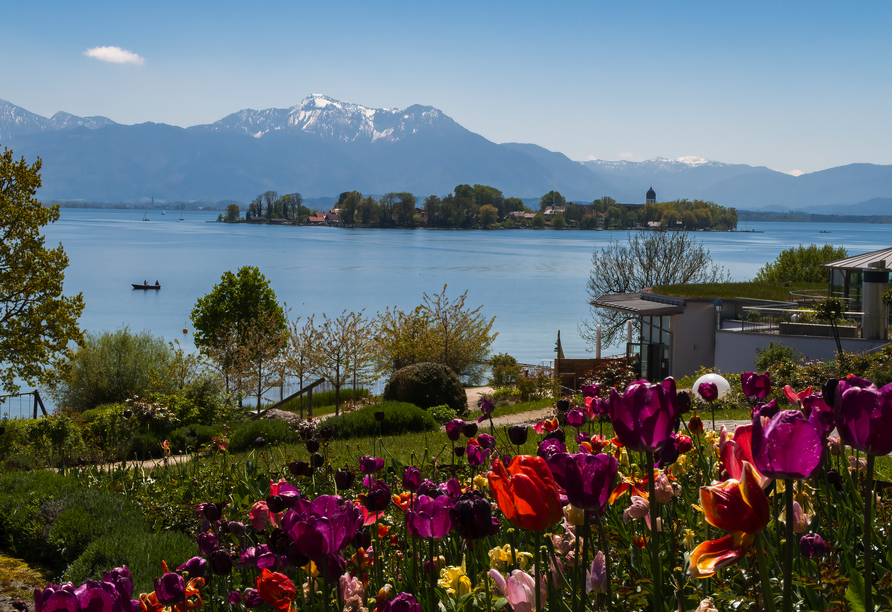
{"x": 144, "y": 287}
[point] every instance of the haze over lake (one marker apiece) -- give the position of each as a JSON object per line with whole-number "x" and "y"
{"x": 533, "y": 282}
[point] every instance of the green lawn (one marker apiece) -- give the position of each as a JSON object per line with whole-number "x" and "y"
{"x": 758, "y": 291}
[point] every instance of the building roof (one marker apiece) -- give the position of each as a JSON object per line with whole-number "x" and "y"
{"x": 861, "y": 261}
{"x": 641, "y": 304}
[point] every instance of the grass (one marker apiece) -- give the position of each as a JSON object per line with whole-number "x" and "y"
{"x": 757, "y": 291}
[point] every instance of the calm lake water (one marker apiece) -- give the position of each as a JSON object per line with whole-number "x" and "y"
{"x": 533, "y": 282}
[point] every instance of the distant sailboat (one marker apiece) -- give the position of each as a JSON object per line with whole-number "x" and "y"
{"x": 145, "y": 216}
{"x": 163, "y": 212}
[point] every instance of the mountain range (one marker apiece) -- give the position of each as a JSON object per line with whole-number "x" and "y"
{"x": 322, "y": 147}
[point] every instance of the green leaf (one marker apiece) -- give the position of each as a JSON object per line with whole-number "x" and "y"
{"x": 855, "y": 593}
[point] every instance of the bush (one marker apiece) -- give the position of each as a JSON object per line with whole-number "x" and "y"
{"x": 442, "y": 414}
{"x": 425, "y": 385}
{"x": 399, "y": 418}
{"x": 190, "y": 437}
{"x": 774, "y": 355}
{"x": 273, "y": 431}
{"x": 109, "y": 368}
{"x": 504, "y": 371}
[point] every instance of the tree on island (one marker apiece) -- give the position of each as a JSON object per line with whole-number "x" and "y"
{"x": 37, "y": 322}
{"x": 645, "y": 259}
{"x": 552, "y": 198}
{"x": 232, "y": 213}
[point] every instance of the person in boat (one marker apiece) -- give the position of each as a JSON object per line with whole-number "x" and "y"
{"x": 145, "y": 282}
{"x": 156, "y": 283}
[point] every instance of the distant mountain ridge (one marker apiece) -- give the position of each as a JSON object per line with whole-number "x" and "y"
{"x": 323, "y": 146}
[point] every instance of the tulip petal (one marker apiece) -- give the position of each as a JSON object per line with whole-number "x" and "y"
{"x": 713, "y": 555}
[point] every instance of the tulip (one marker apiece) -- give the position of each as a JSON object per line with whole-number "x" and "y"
{"x": 737, "y": 506}
{"x": 685, "y": 444}
{"x": 252, "y": 598}
{"x": 590, "y": 390}
{"x": 812, "y": 545}
{"x": 370, "y": 465}
{"x": 411, "y": 478}
{"x": 550, "y": 447}
{"x": 221, "y": 562}
{"x": 684, "y": 402}
{"x": 864, "y": 415}
{"x": 587, "y": 479}
{"x": 170, "y": 589}
{"x": 454, "y": 429}
{"x": 56, "y": 598}
{"x": 469, "y": 430}
{"x": 98, "y": 597}
{"x": 195, "y": 567}
{"x": 518, "y": 434}
{"x": 343, "y": 479}
{"x": 471, "y": 516}
{"x": 664, "y": 492}
{"x": 276, "y": 589}
{"x": 755, "y": 386}
{"x": 326, "y": 528}
{"x": 519, "y": 588}
{"x": 122, "y": 580}
{"x": 562, "y": 405}
{"x": 738, "y": 450}
{"x": 819, "y": 414}
{"x": 207, "y": 543}
{"x": 708, "y": 391}
{"x": 644, "y": 415}
{"x": 787, "y": 447}
{"x": 526, "y": 492}
{"x": 477, "y": 454}
{"x": 404, "y": 602}
{"x": 429, "y": 518}
{"x": 575, "y": 418}
{"x": 486, "y": 441}
{"x": 639, "y": 509}
{"x": 378, "y": 497}
{"x": 766, "y": 410}
{"x": 312, "y": 445}
{"x": 695, "y": 425}
{"x": 596, "y": 576}
{"x": 486, "y": 409}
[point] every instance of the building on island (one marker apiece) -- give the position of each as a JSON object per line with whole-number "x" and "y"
{"x": 651, "y": 197}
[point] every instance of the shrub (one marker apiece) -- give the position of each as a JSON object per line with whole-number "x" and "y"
{"x": 108, "y": 368}
{"x": 425, "y": 385}
{"x": 442, "y": 414}
{"x": 774, "y": 355}
{"x": 190, "y": 437}
{"x": 504, "y": 371}
{"x": 273, "y": 431}
{"x": 399, "y": 418}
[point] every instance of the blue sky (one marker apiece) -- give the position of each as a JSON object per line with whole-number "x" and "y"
{"x": 795, "y": 86}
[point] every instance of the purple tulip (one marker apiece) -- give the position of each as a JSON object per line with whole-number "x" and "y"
{"x": 404, "y": 602}
{"x": 819, "y": 414}
{"x": 812, "y": 545}
{"x": 451, "y": 487}
{"x": 766, "y": 410}
{"x": 344, "y": 479}
{"x": 787, "y": 447}
{"x": 411, "y": 478}
{"x": 755, "y": 386}
{"x": 121, "y": 578}
{"x": 684, "y": 402}
{"x": 590, "y": 390}
{"x": 99, "y": 597}
{"x": 472, "y": 518}
{"x": 486, "y": 408}
{"x": 708, "y": 391}
{"x": 253, "y": 598}
{"x": 576, "y": 418}
{"x": 327, "y": 527}
{"x": 196, "y": 567}
{"x": 235, "y": 598}
{"x": 669, "y": 452}
{"x": 588, "y": 479}
{"x": 170, "y": 588}
{"x": 56, "y": 598}
{"x": 596, "y": 576}
{"x": 518, "y": 434}
{"x": 550, "y": 447}
{"x": 864, "y": 415}
{"x": 643, "y": 416}
{"x": 454, "y": 429}
{"x": 370, "y": 465}
{"x": 477, "y": 454}
{"x": 429, "y": 518}
{"x": 486, "y": 441}
{"x": 378, "y": 497}
{"x": 207, "y": 543}
{"x": 221, "y": 562}
{"x": 469, "y": 430}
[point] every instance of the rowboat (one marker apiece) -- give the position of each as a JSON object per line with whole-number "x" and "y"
{"x": 146, "y": 287}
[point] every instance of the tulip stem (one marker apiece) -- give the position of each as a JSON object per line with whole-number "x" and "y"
{"x": 604, "y": 549}
{"x": 433, "y": 574}
{"x": 655, "y": 568}
{"x": 868, "y": 528}
{"x": 537, "y": 540}
{"x": 767, "y": 594}
{"x": 788, "y": 545}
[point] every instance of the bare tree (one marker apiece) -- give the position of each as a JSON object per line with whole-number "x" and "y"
{"x": 338, "y": 344}
{"x": 299, "y": 353}
{"x": 645, "y": 259}
{"x": 260, "y": 358}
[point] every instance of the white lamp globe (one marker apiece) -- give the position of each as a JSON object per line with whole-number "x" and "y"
{"x": 720, "y": 384}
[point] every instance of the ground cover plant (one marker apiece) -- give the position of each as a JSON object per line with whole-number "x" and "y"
{"x": 630, "y": 505}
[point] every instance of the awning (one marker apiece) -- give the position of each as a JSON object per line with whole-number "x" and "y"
{"x": 641, "y": 304}
{"x": 858, "y": 262}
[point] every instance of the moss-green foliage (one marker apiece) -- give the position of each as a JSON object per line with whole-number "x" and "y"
{"x": 273, "y": 431}
{"x": 802, "y": 263}
{"x": 80, "y": 531}
{"x": 399, "y": 418}
{"x": 442, "y": 414}
{"x": 425, "y": 385}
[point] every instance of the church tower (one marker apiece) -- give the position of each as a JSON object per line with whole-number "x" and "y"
{"x": 651, "y": 197}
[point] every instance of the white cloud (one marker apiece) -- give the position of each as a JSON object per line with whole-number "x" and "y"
{"x": 627, "y": 156}
{"x": 796, "y": 172}
{"x": 115, "y": 55}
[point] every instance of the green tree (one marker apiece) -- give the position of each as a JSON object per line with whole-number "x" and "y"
{"x": 538, "y": 221}
{"x": 347, "y": 205}
{"x": 222, "y": 317}
{"x": 36, "y": 321}
{"x": 503, "y": 371}
{"x": 558, "y": 222}
{"x": 489, "y": 214}
{"x": 232, "y": 213}
{"x": 552, "y": 198}
{"x": 800, "y": 264}
{"x": 645, "y": 259}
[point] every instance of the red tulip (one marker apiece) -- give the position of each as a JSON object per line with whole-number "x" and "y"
{"x": 739, "y": 507}
{"x": 526, "y": 492}
{"x": 276, "y": 589}
{"x": 736, "y": 451}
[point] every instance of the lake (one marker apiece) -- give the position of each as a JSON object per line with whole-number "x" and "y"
{"x": 533, "y": 282}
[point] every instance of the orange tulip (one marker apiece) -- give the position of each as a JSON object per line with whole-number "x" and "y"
{"x": 276, "y": 589}
{"x": 739, "y": 507}
{"x": 526, "y": 492}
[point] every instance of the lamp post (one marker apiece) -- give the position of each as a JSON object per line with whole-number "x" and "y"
{"x": 718, "y": 313}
